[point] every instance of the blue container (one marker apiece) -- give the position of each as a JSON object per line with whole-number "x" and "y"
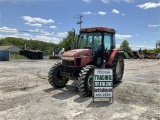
{"x": 4, "y": 55}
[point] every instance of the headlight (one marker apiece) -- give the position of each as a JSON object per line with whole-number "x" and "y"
{"x": 67, "y": 58}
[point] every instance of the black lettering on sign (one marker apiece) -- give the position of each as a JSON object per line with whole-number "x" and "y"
{"x": 103, "y": 77}
{"x": 103, "y": 72}
{"x": 102, "y": 84}
{"x": 102, "y": 90}
{"x": 97, "y": 94}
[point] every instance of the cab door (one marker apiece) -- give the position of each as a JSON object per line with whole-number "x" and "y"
{"x": 109, "y": 44}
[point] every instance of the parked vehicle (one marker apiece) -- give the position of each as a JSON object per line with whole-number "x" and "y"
{"x": 95, "y": 49}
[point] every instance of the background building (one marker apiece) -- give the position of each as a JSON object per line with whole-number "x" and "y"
{"x": 13, "y": 49}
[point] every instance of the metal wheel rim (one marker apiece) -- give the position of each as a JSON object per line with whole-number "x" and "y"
{"x": 119, "y": 68}
{"x": 60, "y": 78}
{"x": 90, "y": 82}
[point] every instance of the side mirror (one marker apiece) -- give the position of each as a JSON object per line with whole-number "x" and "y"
{"x": 74, "y": 34}
{"x": 73, "y": 42}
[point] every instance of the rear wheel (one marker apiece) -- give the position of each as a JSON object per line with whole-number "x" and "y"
{"x": 85, "y": 80}
{"x": 118, "y": 69}
{"x": 54, "y": 77}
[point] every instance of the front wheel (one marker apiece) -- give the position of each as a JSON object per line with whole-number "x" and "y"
{"x": 54, "y": 77}
{"x": 85, "y": 80}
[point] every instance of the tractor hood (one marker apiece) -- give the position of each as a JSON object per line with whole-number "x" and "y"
{"x": 77, "y": 53}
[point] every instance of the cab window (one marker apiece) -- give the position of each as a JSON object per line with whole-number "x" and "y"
{"x": 107, "y": 41}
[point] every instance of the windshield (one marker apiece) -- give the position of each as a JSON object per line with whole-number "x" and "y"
{"x": 90, "y": 40}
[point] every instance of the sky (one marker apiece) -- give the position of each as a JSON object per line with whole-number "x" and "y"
{"x": 137, "y": 21}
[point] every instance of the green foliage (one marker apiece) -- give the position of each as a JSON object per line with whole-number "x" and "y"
{"x": 157, "y": 50}
{"x": 47, "y": 48}
{"x": 154, "y": 51}
{"x": 125, "y": 46}
{"x": 150, "y": 51}
{"x": 158, "y": 44}
{"x": 145, "y": 51}
{"x": 140, "y": 51}
{"x": 15, "y": 56}
{"x": 67, "y": 42}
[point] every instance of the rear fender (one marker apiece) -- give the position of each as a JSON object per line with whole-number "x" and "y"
{"x": 112, "y": 55}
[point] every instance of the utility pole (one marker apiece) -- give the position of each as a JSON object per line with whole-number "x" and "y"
{"x": 80, "y": 20}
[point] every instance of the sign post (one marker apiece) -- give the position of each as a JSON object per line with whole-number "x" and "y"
{"x": 103, "y": 84}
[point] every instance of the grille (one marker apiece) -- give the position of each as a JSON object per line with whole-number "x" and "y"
{"x": 68, "y": 63}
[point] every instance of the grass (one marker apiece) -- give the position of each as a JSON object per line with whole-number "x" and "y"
{"x": 15, "y": 56}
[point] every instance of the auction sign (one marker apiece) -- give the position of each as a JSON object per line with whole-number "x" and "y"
{"x": 103, "y": 83}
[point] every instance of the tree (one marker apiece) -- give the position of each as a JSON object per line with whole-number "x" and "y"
{"x": 157, "y": 50}
{"x": 46, "y": 47}
{"x": 67, "y": 42}
{"x": 125, "y": 46}
{"x": 140, "y": 51}
{"x": 145, "y": 51}
{"x": 158, "y": 44}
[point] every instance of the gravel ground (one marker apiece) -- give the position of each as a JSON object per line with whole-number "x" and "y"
{"x": 25, "y": 94}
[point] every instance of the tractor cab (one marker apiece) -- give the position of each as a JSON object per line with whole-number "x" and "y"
{"x": 93, "y": 47}
{"x": 101, "y": 40}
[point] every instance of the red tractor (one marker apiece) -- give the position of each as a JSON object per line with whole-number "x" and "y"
{"x": 95, "y": 49}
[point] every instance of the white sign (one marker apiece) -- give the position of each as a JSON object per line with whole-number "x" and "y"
{"x": 103, "y": 83}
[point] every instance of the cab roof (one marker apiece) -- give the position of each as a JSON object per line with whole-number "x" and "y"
{"x": 97, "y": 29}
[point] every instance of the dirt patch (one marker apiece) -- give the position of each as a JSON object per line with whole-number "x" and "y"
{"x": 26, "y": 94}
{"x": 11, "y": 89}
{"x": 18, "y": 101}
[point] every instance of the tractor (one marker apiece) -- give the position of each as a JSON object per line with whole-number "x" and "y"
{"x": 95, "y": 49}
